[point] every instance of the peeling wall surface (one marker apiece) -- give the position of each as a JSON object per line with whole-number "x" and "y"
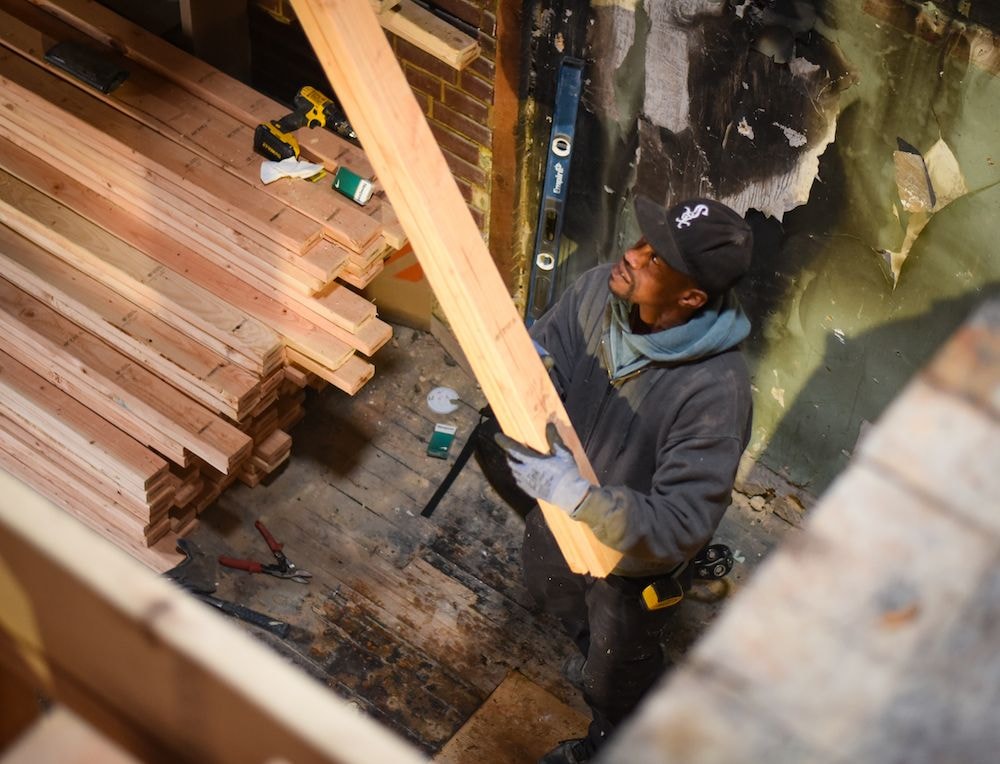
{"x": 862, "y": 139}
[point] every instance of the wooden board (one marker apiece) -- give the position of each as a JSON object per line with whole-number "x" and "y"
{"x": 173, "y": 168}
{"x": 62, "y": 737}
{"x": 519, "y": 722}
{"x": 109, "y": 450}
{"x": 183, "y": 117}
{"x": 358, "y": 61}
{"x": 204, "y": 375}
{"x": 190, "y": 224}
{"x": 300, "y": 327}
{"x": 421, "y": 28}
{"x": 65, "y": 354}
{"x": 205, "y": 691}
{"x": 186, "y": 306}
{"x": 211, "y": 85}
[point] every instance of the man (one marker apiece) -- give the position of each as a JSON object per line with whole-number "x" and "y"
{"x": 644, "y": 353}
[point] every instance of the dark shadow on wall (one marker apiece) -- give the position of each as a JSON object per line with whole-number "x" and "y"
{"x": 807, "y": 446}
{"x": 784, "y": 249}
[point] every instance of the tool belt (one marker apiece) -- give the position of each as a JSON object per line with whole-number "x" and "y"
{"x": 712, "y": 563}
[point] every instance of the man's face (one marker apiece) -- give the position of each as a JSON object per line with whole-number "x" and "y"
{"x": 645, "y": 280}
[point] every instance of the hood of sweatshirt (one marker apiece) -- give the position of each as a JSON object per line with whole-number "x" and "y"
{"x": 720, "y": 325}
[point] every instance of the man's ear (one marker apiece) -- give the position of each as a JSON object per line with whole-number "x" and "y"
{"x": 693, "y": 298}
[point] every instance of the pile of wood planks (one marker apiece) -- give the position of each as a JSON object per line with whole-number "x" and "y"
{"x": 161, "y": 308}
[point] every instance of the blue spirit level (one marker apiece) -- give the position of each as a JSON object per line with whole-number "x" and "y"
{"x": 544, "y": 266}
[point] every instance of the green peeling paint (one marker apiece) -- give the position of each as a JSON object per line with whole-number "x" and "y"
{"x": 835, "y": 339}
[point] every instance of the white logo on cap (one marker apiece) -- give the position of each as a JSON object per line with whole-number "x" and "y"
{"x": 690, "y": 214}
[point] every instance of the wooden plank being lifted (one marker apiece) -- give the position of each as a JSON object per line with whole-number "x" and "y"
{"x": 383, "y": 110}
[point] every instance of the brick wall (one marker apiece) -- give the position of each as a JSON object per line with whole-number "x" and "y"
{"x": 458, "y": 104}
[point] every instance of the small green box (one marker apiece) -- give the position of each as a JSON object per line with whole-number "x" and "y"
{"x": 441, "y": 440}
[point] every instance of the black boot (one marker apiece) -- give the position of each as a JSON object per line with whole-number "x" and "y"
{"x": 574, "y": 751}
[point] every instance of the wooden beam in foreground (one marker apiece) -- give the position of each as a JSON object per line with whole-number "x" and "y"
{"x": 383, "y": 110}
{"x": 873, "y": 638}
{"x": 162, "y": 674}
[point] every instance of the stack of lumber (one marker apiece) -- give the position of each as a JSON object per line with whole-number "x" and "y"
{"x": 161, "y": 309}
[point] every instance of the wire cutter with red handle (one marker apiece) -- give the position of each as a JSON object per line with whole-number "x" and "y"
{"x": 284, "y": 568}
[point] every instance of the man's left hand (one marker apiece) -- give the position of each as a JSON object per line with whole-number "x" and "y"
{"x": 552, "y": 477}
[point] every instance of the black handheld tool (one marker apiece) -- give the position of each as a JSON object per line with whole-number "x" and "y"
{"x": 87, "y": 64}
{"x": 274, "y": 140}
{"x": 196, "y": 573}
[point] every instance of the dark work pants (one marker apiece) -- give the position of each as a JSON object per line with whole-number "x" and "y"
{"x": 607, "y": 621}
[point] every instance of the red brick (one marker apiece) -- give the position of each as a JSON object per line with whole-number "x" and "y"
{"x": 478, "y": 216}
{"x": 461, "y": 124}
{"x": 476, "y": 86}
{"x": 465, "y": 188}
{"x": 466, "y": 105}
{"x": 484, "y": 67}
{"x": 468, "y": 11}
{"x": 456, "y": 144}
{"x": 412, "y": 54}
{"x": 487, "y": 47}
{"x": 422, "y": 81}
{"x": 462, "y": 169}
{"x": 488, "y": 25}
{"x": 425, "y": 102}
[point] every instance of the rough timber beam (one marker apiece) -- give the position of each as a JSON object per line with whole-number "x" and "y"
{"x": 153, "y": 669}
{"x": 383, "y": 110}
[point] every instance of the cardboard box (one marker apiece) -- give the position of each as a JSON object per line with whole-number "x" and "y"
{"x": 401, "y": 293}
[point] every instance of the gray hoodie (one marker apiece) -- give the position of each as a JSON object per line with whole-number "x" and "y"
{"x": 664, "y": 430}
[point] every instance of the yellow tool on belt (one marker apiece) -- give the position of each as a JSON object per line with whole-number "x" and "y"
{"x": 274, "y": 139}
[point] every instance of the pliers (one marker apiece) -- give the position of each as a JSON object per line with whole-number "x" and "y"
{"x": 284, "y": 569}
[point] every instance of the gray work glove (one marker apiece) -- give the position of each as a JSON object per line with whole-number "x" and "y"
{"x": 552, "y": 477}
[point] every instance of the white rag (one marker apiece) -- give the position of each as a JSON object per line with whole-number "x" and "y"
{"x": 288, "y": 168}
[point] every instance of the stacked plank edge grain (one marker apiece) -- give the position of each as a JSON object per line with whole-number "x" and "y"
{"x": 161, "y": 309}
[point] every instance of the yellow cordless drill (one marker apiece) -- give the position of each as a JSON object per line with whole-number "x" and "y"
{"x": 274, "y": 139}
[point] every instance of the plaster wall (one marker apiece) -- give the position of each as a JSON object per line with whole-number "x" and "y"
{"x": 838, "y": 334}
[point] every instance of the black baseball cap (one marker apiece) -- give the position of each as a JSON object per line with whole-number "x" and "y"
{"x": 702, "y": 238}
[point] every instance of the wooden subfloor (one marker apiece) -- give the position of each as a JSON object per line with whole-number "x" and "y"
{"x": 418, "y": 621}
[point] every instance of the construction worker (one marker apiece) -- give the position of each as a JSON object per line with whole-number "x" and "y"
{"x": 645, "y": 355}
